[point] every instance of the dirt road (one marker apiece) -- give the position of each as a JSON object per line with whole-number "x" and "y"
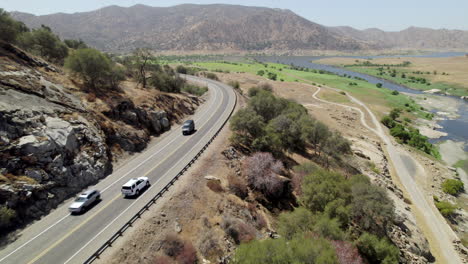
{"x": 438, "y": 232}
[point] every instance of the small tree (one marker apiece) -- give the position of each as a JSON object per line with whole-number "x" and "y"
{"x": 10, "y": 28}
{"x": 92, "y": 66}
{"x": 379, "y": 85}
{"x": 371, "y": 207}
{"x": 378, "y": 250}
{"x": 75, "y": 44}
{"x": 45, "y": 43}
{"x": 296, "y": 222}
{"x": 142, "y": 57}
{"x": 322, "y": 187}
{"x": 262, "y": 172}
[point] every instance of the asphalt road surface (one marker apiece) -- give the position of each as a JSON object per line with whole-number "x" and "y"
{"x": 63, "y": 238}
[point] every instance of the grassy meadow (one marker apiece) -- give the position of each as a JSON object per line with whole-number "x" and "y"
{"x": 446, "y": 74}
{"x": 381, "y": 100}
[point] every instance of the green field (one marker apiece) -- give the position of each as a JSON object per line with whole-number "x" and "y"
{"x": 462, "y": 164}
{"x": 445, "y": 87}
{"x": 382, "y": 99}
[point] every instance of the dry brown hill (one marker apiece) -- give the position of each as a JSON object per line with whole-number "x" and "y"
{"x": 410, "y": 38}
{"x": 220, "y": 27}
{"x": 193, "y": 27}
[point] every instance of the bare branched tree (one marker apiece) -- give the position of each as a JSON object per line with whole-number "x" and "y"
{"x": 142, "y": 57}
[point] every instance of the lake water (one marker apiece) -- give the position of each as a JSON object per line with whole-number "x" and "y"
{"x": 457, "y": 129}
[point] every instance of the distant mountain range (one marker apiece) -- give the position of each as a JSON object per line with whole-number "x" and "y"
{"x": 227, "y": 28}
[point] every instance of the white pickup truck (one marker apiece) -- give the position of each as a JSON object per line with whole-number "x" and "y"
{"x": 135, "y": 186}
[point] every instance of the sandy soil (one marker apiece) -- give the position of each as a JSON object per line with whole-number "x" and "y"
{"x": 452, "y": 152}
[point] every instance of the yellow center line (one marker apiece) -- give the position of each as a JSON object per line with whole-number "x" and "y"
{"x": 109, "y": 203}
{"x": 72, "y": 231}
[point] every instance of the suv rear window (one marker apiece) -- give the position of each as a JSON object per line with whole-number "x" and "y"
{"x": 126, "y": 187}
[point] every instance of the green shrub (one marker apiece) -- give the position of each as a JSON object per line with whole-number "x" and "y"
{"x": 377, "y": 250}
{"x": 395, "y": 92}
{"x": 165, "y": 80}
{"x": 328, "y": 228}
{"x": 95, "y": 68}
{"x": 296, "y": 222}
{"x": 181, "y": 69}
{"x": 339, "y": 210}
{"x": 6, "y": 216}
{"x": 286, "y": 126}
{"x": 43, "y": 42}
{"x": 371, "y": 208}
{"x": 10, "y": 29}
{"x": 211, "y": 76}
{"x": 234, "y": 84}
{"x": 194, "y": 89}
{"x": 322, "y": 187}
{"x": 388, "y": 121}
{"x": 296, "y": 250}
{"x": 75, "y": 44}
{"x": 446, "y": 209}
{"x": 379, "y": 85}
{"x": 395, "y": 113}
{"x": 272, "y": 76}
{"x": 452, "y": 186}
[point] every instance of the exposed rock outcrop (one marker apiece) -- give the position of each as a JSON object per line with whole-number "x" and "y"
{"x": 53, "y": 143}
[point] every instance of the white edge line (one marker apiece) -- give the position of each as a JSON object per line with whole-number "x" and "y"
{"x": 126, "y": 174}
{"x": 147, "y": 191}
{"x": 34, "y": 238}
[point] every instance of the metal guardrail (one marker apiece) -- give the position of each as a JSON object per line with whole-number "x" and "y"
{"x": 127, "y": 225}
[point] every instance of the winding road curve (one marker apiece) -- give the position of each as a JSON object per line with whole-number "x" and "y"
{"x": 407, "y": 168}
{"x": 62, "y": 238}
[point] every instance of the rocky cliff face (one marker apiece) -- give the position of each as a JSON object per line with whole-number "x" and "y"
{"x": 53, "y": 144}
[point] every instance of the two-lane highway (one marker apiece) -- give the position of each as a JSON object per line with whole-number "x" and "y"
{"x": 63, "y": 238}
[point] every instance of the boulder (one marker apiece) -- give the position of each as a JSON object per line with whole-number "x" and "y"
{"x": 165, "y": 123}
{"x": 61, "y": 133}
{"x": 212, "y": 178}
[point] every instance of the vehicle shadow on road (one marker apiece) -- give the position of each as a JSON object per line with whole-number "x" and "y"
{"x": 133, "y": 197}
{"x": 87, "y": 209}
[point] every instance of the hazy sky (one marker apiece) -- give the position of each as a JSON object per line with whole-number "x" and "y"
{"x": 384, "y": 14}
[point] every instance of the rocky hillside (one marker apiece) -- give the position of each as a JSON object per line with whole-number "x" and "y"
{"x": 410, "y": 38}
{"x": 193, "y": 27}
{"x": 55, "y": 139}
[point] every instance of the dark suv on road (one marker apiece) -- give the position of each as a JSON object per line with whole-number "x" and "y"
{"x": 188, "y": 127}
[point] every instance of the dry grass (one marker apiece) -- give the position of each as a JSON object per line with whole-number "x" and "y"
{"x": 333, "y": 96}
{"x": 238, "y": 186}
{"x": 10, "y": 178}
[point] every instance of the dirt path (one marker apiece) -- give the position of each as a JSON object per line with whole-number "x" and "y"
{"x": 438, "y": 232}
